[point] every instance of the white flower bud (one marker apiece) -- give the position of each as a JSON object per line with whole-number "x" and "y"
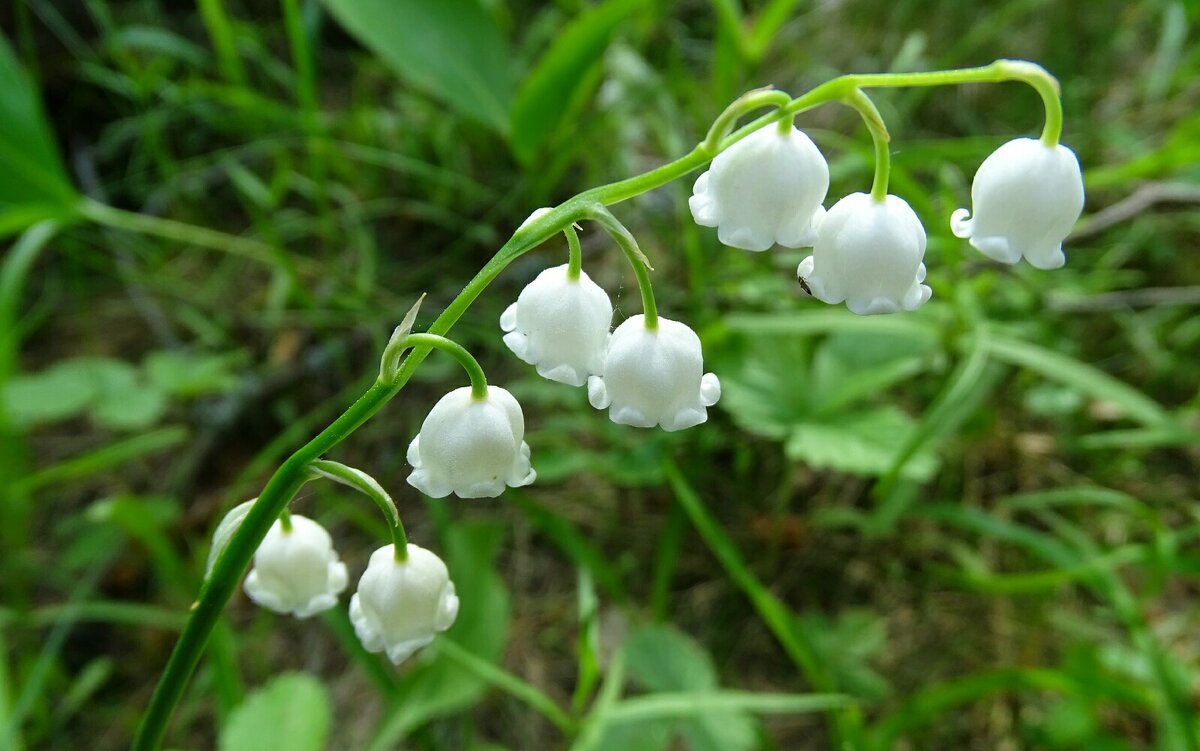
{"x": 401, "y": 605}
{"x": 767, "y": 188}
{"x": 560, "y": 326}
{"x": 868, "y": 253}
{"x": 296, "y": 571}
{"x": 1026, "y": 197}
{"x": 471, "y": 447}
{"x": 654, "y": 377}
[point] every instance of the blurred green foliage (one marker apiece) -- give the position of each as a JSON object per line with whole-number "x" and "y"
{"x": 978, "y": 521}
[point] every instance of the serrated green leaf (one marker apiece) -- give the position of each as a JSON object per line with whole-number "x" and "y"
{"x": 847, "y": 644}
{"x": 291, "y": 713}
{"x": 452, "y": 49}
{"x": 663, "y": 659}
{"x": 560, "y": 75}
{"x": 865, "y": 443}
{"x": 769, "y": 392}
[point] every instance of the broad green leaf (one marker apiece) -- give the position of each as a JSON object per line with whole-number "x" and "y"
{"x": 123, "y": 401}
{"x": 131, "y": 407}
{"x": 291, "y": 713}
{"x": 665, "y": 660}
{"x": 559, "y": 78}
{"x": 57, "y": 393}
{"x": 848, "y": 644}
{"x": 453, "y": 49}
{"x": 636, "y": 735}
{"x": 768, "y": 392}
{"x": 866, "y": 443}
{"x": 33, "y": 181}
{"x": 112, "y": 391}
{"x": 190, "y": 374}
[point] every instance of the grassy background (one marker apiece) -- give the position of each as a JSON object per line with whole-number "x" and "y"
{"x": 978, "y": 519}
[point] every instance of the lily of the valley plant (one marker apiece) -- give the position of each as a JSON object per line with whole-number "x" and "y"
{"x": 766, "y": 185}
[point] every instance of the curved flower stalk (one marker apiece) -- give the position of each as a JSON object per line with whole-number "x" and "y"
{"x": 765, "y": 189}
{"x": 868, "y": 254}
{"x": 402, "y": 604}
{"x": 670, "y": 350}
{"x": 654, "y": 376}
{"x": 471, "y": 446}
{"x": 560, "y": 324}
{"x": 296, "y": 569}
{"x": 1026, "y": 198}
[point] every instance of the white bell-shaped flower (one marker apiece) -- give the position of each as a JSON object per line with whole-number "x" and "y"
{"x": 868, "y": 253}
{"x": 767, "y": 188}
{"x": 1026, "y": 197}
{"x": 560, "y": 325}
{"x": 401, "y": 605}
{"x": 654, "y": 377}
{"x": 471, "y": 447}
{"x": 297, "y": 570}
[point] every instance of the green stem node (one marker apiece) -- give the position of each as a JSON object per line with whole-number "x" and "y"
{"x": 396, "y": 348}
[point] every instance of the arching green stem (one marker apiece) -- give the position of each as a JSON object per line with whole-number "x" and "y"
{"x": 368, "y": 486}
{"x": 999, "y": 71}
{"x": 637, "y": 259}
{"x": 396, "y": 348}
{"x": 747, "y": 102}
{"x": 879, "y": 135}
{"x": 574, "y": 252}
{"x": 294, "y": 472}
{"x": 285, "y": 520}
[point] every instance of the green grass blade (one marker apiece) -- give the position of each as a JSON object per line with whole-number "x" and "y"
{"x": 685, "y": 705}
{"x": 105, "y": 457}
{"x": 1071, "y": 372}
{"x": 929, "y": 704}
